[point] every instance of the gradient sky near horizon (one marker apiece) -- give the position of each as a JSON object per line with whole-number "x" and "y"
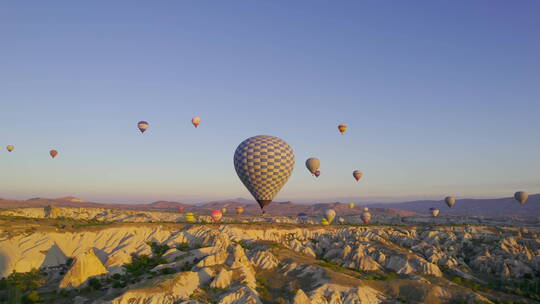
{"x": 441, "y": 97}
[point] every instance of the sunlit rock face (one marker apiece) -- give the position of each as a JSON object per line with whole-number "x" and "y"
{"x": 292, "y": 264}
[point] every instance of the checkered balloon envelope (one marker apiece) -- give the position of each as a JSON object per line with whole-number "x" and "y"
{"x": 264, "y": 164}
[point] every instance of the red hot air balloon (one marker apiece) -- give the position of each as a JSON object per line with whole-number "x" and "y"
{"x": 342, "y": 128}
{"x": 216, "y": 215}
{"x": 142, "y": 125}
{"x": 317, "y": 173}
{"x": 196, "y": 121}
{"x": 53, "y": 153}
{"x": 180, "y": 209}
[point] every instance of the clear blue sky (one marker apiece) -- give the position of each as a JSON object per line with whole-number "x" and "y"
{"x": 441, "y": 97}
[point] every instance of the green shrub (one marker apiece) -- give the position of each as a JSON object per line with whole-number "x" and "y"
{"x": 94, "y": 283}
{"x": 157, "y": 249}
{"x": 32, "y": 297}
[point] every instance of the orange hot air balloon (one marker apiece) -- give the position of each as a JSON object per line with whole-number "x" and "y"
{"x": 216, "y": 215}
{"x": 142, "y": 125}
{"x": 10, "y": 148}
{"x": 196, "y": 121}
{"x": 53, "y": 153}
{"x": 342, "y": 128}
{"x": 317, "y": 173}
{"x": 239, "y": 210}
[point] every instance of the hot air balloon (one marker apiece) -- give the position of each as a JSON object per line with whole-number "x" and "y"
{"x": 342, "y": 128}
{"x": 224, "y": 210}
{"x": 366, "y": 216}
{"x": 330, "y": 214}
{"x": 216, "y": 215}
{"x": 341, "y": 220}
{"x": 10, "y": 148}
{"x": 196, "y": 121}
{"x": 181, "y": 209}
{"x": 142, "y": 125}
{"x": 521, "y": 196}
{"x": 302, "y": 217}
{"x": 53, "y": 153}
{"x": 351, "y": 205}
{"x": 189, "y": 217}
{"x": 450, "y": 201}
{"x": 264, "y": 164}
{"x": 434, "y": 211}
{"x": 357, "y": 174}
{"x": 313, "y": 164}
{"x": 325, "y": 222}
{"x": 239, "y": 210}
{"x": 317, "y": 173}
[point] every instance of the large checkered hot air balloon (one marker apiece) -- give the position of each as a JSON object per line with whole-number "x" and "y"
{"x": 264, "y": 164}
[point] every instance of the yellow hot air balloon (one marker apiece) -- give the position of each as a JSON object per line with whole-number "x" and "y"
{"x": 10, "y": 148}
{"x": 189, "y": 217}
{"x": 325, "y": 222}
{"x": 330, "y": 214}
{"x": 196, "y": 121}
{"x": 351, "y": 205}
{"x": 357, "y": 174}
{"x": 450, "y": 201}
{"x": 223, "y": 210}
{"x": 239, "y": 210}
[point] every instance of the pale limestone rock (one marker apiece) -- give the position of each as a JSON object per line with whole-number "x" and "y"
{"x": 242, "y": 295}
{"x": 54, "y": 257}
{"x": 301, "y": 298}
{"x": 222, "y": 280}
{"x": 264, "y": 260}
{"x": 163, "y": 290}
{"x": 85, "y": 266}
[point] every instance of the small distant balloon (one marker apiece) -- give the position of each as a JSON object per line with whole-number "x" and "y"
{"x": 317, "y": 173}
{"x": 342, "y": 128}
{"x": 330, "y": 214}
{"x": 341, "y": 220}
{"x": 10, "y": 148}
{"x": 216, "y": 215}
{"x": 366, "y": 216}
{"x": 325, "y": 222}
{"x": 196, "y": 121}
{"x": 142, "y": 125}
{"x": 521, "y": 196}
{"x": 450, "y": 201}
{"x": 239, "y": 210}
{"x": 189, "y": 217}
{"x": 53, "y": 153}
{"x": 223, "y": 210}
{"x": 351, "y": 205}
{"x": 434, "y": 211}
{"x": 357, "y": 174}
{"x": 312, "y": 164}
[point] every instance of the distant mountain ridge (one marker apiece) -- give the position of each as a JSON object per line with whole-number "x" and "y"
{"x": 498, "y": 207}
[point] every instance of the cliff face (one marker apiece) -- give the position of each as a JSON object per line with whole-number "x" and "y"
{"x": 237, "y": 263}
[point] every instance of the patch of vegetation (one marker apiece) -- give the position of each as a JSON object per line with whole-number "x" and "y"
{"x": 142, "y": 264}
{"x": 94, "y": 283}
{"x": 157, "y": 249}
{"x": 183, "y": 247}
{"x": 21, "y": 286}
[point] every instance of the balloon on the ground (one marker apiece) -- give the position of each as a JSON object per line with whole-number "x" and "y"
{"x": 450, "y": 201}
{"x": 521, "y": 196}
{"x": 264, "y": 164}
{"x": 351, "y": 205}
{"x": 317, "y": 173}
{"x": 189, "y": 217}
{"x": 196, "y": 121}
{"x": 325, "y": 222}
{"x": 239, "y": 210}
{"x": 357, "y": 174}
{"x": 366, "y": 216}
{"x": 342, "y": 128}
{"x": 330, "y": 214}
{"x": 434, "y": 211}
{"x": 216, "y": 215}
{"x": 341, "y": 220}
{"x": 142, "y": 125}
{"x": 302, "y": 217}
{"x": 10, "y": 148}
{"x": 223, "y": 210}
{"x": 53, "y": 153}
{"x": 312, "y": 164}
